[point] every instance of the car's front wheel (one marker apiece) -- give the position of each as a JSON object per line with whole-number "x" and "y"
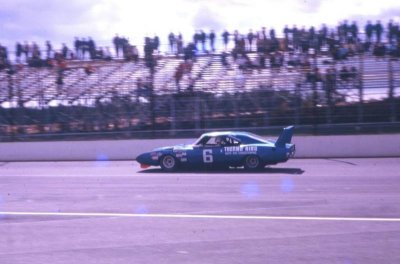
{"x": 252, "y": 162}
{"x": 168, "y": 163}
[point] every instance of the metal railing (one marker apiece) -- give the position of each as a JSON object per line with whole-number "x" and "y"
{"x": 109, "y": 102}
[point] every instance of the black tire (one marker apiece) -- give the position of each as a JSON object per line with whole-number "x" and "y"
{"x": 252, "y": 163}
{"x": 168, "y": 163}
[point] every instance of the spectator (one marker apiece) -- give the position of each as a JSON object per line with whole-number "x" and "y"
{"x": 353, "y": 32}
{"x": 344, "y": 74}
{"x": 353, "y": 75}
{"x": 141, "y": 90}
{"x": 191, "y": 84}
{"x": 378, "y": 31}
{"x": 369, "y": 29}
{"x": 272, "y": 33}
{"x": 211, "y": 36}
{"x": 64, "y": 51}
{"x": 196, "y": 38}
{"x": 156, "y": 43}
{"x": 379, "y": 49}
{"x": 89, "y": 69}
{"x": 190, "y": 52}
{"x": 250, "y": 37}
{"x": 91, "y": 48}
{"x": 77, "y": 46}
{"x": 236, "y": 37}
{"x": 149, "y": 54}
{"x": 26, "y": 50}
{"x": 178, "y": 75}
{"x": 224, "y": 59}
{"x": 225, "y": 38}
{"x": 391, "y": 31}
{"x": 18, "y": 51}
{"x": 179, "y": 44}
{"x": 117, "y": 44}
{"x": 49, "y": 49}
{"x": 202, "y": 37}
{"x": 172, "y": 42}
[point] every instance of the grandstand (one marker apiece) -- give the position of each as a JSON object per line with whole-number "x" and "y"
{"x": 218, "y": 90}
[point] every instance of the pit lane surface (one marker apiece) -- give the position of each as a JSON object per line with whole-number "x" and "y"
{"x": 304, "y": 211}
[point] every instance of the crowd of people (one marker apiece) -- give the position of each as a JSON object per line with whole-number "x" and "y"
{"x": 294, "y": 49}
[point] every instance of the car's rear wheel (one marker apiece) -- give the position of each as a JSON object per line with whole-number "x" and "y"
{"x": 252, "y": 162}
{"x": 168, "y": 163}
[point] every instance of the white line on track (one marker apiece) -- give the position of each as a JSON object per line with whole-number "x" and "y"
{"x": 196, "y": 216}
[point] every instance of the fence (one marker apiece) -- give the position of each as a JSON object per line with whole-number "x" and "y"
{"x": 125, "y": 99}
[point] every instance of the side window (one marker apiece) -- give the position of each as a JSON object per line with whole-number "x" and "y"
{"x": 232, "y": 141}
{"x": 211, "y": 141}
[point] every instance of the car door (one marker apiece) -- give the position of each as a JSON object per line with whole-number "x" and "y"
{"x": 231, "y": 151}
{"x": 211, "y": 153}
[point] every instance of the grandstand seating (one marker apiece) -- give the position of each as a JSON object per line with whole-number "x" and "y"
{"x": 36, "y": 87}
{"x": 107, "y": 99}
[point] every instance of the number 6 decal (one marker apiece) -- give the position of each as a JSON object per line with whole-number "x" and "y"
{"x": 207, "y": 156}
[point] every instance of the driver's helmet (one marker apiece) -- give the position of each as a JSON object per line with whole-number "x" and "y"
{"x": 220, "y": 141}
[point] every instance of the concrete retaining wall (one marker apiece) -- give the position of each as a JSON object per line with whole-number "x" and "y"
{"x": 306, "y": 146}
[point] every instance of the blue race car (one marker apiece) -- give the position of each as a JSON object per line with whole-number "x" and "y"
{"x": 223, "y": 149}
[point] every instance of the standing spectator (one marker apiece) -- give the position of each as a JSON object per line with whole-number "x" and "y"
{"x": 26, "y": 50}
{"x": 272, "y": 33}
{"x": 191, "y": 84}
{"x": 178, "y": 75}
{"x": 77, "y": 46}
{"x": 236, "y": 37}
{"x": 117, "y": 44}
{"x": 344, "y": 74}
{"x": 369, "y": 29}
{"x": 378, "y": 31}
{"x": 225, "y": 38}
{"x": 354, "y": 32}
{"x": 286, "y": 32}
{"x": 202, "y": 37}
{"x": 250, "y": 37}
{"x": 179, "y": 44}
{"x": 391, "y": 29}
{"x": 224, "y": 59}
{"x": 64, "y": 51}
{"x": 211, "y": 36}
{"x": 35, "y": 51}
{"x": 156, "y": 43}
{"x": 190, "y": 52}
{"x": 172, "y": 41}
{"x": 263, "y": 34}
{"x": 18, "y": 51}
{"x": 92, "y": 48}
{"x": 148, "y": 54}
{"x": 61, "y": 67}
{"x": 49, "y": 49}
{"x": 139, "y": 89}
{"x": 196, "y": 38}
{"x": 330, "y": 85}
{"x": 84, "y": 47}
{"x": 295, "y": 37}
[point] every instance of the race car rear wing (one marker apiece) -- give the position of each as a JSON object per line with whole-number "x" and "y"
{"x": 285, "y": 137}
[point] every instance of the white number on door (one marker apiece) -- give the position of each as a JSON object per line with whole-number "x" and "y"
{"x": 207, "y": 156}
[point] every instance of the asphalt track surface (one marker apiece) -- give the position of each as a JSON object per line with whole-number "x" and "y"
{"x": 304, "y": 211}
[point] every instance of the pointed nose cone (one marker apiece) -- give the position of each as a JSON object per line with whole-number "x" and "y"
{"x": 143, "y": 158}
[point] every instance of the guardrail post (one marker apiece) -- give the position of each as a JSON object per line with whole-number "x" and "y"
{"x": 298, "y": 103}
{"x": 197, "y": 113}
{"x": 360, "y": 86}
{"x": 172, "y": 110}
{"x": 392, "y": 104}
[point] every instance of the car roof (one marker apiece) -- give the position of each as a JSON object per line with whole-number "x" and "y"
{"x": 226, "y": 133}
